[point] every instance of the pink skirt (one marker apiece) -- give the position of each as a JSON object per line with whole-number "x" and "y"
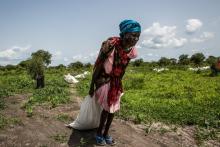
{"x": 102, "y": 96}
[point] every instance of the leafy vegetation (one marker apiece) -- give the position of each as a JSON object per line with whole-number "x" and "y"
{"x": 14, "y": 82}
{"x": 56, "y": 92}
{"x": 175, "y": 96}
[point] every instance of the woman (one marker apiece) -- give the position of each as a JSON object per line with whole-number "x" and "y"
{"x": 106, "y": 84}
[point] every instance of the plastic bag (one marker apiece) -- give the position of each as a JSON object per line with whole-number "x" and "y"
{"x": 89, "y": 115}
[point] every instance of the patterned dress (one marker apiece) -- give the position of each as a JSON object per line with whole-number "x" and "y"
{"x": 114, "y": 61}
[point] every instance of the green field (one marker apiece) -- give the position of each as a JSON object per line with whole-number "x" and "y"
{"x": 176, "y": 96}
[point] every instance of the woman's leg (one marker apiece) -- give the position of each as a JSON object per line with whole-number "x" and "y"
{"x": 103, "y": 118}
{"x": 108, "y": 123}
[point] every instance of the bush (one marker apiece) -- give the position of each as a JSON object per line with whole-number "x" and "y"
{"x": 138, "y": 62}
{"x": 76, "y": 65}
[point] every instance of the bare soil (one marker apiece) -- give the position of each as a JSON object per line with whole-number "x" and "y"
{"x": 44, "y": 129}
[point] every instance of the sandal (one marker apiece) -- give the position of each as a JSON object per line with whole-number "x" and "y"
{"x": 109, "y": 140}
{"x": 100, "y": 140}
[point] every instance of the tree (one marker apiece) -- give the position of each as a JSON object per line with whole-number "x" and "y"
{"x": 173, "y": 61}
{"x": 37, "y": 65}
{"x": 45, "y": 55}
{"x": 88, "y": 65}
{"x": 153, "y": 64}
{"x": 76, "y": 65}
{"x": 183, "y": 59}
{"x": 197, "y": 58}
{"x": 36, "y": 70}
{"x": 24, "y": 63}
{"x": 138, "y": 62}
{"x": 10, "y": 67}
{"x": 211, "y": 60}
{"x": 60, "y": 66}
{"x": 164, "y": 61}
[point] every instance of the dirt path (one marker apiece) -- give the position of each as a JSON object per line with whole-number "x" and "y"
{"x": 46, "y": 128}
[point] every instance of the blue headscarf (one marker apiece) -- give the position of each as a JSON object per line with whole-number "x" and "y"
{"x": 129, "y": 26}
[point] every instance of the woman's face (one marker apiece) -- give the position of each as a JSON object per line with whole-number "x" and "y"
{"x": 131, "y": 38}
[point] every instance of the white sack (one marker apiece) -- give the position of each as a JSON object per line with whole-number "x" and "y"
{"x": 70, "y": 79}
{"x": 89, "y": 115}
{"x": 80, "y": 76}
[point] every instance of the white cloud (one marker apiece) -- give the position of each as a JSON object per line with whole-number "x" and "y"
{"x": 13, "y": 52}
{"x": 57, "y": 55}
{"x": 91, "y": 57}
{"x": 65, "y": 59}
{"x": 193, "y": 25}
{"x": 77, "y": 57}
{"x": 158, "y": 36}
{"x": 204, "y": 37}
{"x": 195, "y": 50}
{"x": 149, "y": 54}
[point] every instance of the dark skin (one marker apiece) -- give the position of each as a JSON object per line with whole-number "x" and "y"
{"x": 128, "y": 40}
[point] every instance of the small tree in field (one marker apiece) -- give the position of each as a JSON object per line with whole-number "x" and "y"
{"x": 184, "y": 60}
{"x": 37, "y": 65}
{"x": 138, "y": 62}
{"x": 211, "y": 60}
{"x": 45, "y": 55}
{"x": 24, "y": 64}
{"x": 173, "y": 61}
{"x": 88, "y": 65}
{"x": 197, "y": 58}
{"x": 76, "y": 65}
{"x": 164, "y": 61}
{"x": 60, "y": 66}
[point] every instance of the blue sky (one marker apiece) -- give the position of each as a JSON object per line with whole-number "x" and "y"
{"x": 74, "y": 29}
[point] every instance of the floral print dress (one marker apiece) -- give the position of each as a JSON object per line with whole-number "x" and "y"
{"x": 114, "y": 61}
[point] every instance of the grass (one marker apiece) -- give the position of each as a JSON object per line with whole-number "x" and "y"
{"x": 175, "y": 97}
{"x": 2, "y": 104}
{"x": 61, "y": 138}
{"x": 203, "y": 134}
{"x": 15, "y": 83}
{"x": 54, "y": 93}
{"x": 5, "y": 121}
{"x": 64, "y": 117}
{"x": 163, "y": 131}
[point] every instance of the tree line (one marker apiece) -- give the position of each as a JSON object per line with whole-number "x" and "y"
{"x": 196, "y": 59}
{"x": 41, "y": 59}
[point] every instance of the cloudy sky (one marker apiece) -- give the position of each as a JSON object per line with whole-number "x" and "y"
{"x": 73, "y": 30}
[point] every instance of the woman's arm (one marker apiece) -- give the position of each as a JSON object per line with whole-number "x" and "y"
{"x": 95, "y": 75}
{"x": 105, "y": 51}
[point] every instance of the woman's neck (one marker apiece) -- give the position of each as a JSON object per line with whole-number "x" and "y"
{"x": 126, "y": 46}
